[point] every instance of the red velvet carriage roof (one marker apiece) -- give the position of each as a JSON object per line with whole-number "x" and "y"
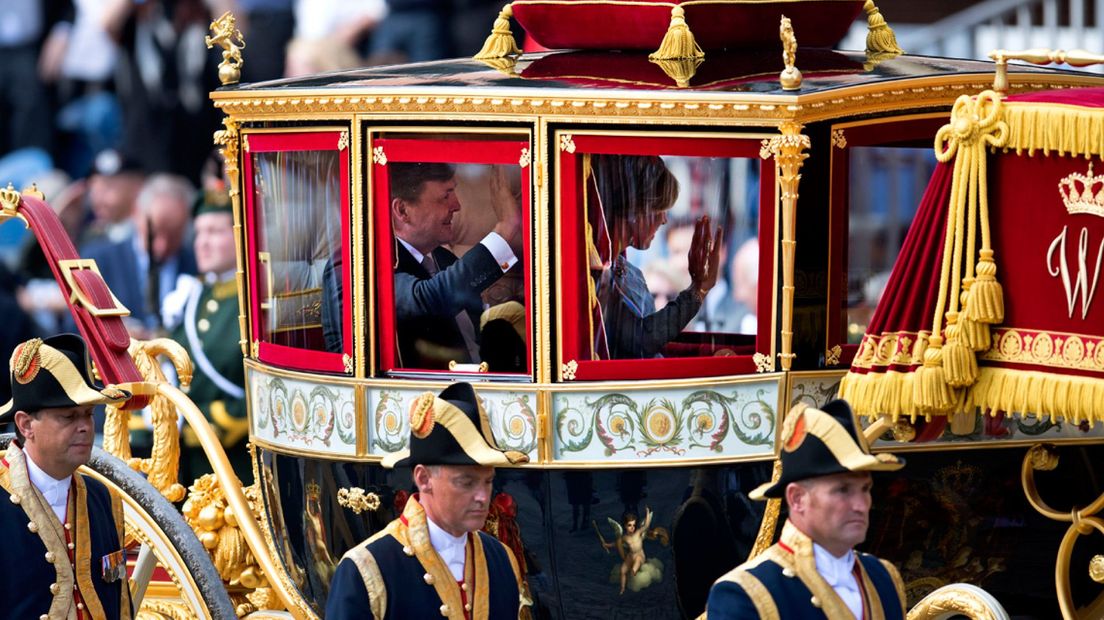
{"x": 1021, "y": 186}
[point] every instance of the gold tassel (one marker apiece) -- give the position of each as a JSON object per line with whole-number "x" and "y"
{"x": 930, "y": 391}
{"x": 959, "y": 363}
{"x": 985, "y": 303}
{"x": 974, "y": 335}
{"x": 500, "y": 43}
{"x": 879, "y": 38}
{"x": 679, "y": 41}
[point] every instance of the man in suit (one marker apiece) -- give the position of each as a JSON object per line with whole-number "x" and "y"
{"x": 141, "y": 268}
{"x": 63, "y": 531}
{"x": 433, "y": 560}
{"x": 813, "y": 570}
{"x": 437, "y": 295}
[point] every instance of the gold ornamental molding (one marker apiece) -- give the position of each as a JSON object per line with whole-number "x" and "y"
{"x": 229, "y": 139}
{"x": 839, "y": 140}
{"x": 379, "y": 158}
{"x": 790, "y": 151}
{"x": 763, "y": 362}
{"x": 832, "y": 356}
{"x": 343, "y": 140}
{"x": 568, "y": 370}
{"x": 526, "y": 157}
{"x": 567, "y": 144}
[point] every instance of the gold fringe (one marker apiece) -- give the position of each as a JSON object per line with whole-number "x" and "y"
{"x": 960, "y": 365}
{"x": 930, "y": 391}
{"x": 1049, "y": 396}
{"x": 1061, "y": 129}
{"x": 500, "y": 43}
{"x": 880, "y": 38}
{"x": 679, "y": 41}
{"x": 681, "y": 70}
{"x": 985, "y": 303}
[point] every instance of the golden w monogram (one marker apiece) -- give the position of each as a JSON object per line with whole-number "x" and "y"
{"x": 1077, "y": 286}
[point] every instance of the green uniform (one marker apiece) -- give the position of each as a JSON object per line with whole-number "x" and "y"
{"x": 209, "y": 331}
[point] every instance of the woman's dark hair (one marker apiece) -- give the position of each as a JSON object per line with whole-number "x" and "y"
{"x": 407, "y": 179}
{"x": 631, "y": 185}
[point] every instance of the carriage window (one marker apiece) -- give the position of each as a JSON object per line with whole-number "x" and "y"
{"x": 667, "y": 257}
{"x": 297, "y": 186}
{"x": 451, "y": 219}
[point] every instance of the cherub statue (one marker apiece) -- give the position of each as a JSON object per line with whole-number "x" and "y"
{"x": 636, "y": 571}
{"x": 789, "y": 42}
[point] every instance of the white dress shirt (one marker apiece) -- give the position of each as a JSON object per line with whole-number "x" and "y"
{"x": 452, "y": 549}
{"x": 494, "y": 242}
{"x": 55, "y": 491}
{"x": 839, "y": 573}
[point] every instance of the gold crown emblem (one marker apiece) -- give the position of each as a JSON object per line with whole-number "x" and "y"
{"x": 1083, "y": 193}
{"x": 314, "y": 491}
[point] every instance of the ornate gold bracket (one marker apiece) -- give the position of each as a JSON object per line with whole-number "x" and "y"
{"x": 1082, "y": 522}
{"x": 225, "y": 34}
{"x": 790, "y": 150}
{"x": 357, "y": 500}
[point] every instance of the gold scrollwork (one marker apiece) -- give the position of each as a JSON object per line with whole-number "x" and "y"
{"x": 379, "y": 157}
{"x": 225, "y": 34}
{"x": 526, "y": 157}
{"x": 1043, "y": 458}
{"x": 957, "y": 599}
{"x": 357, "y": 500}
{"x": 1096, "y": 568}
{"x": 347, "y": 362}
{"x": 903, "y": 431}
{"x": 763, "y": 362}
{"x": 343, "y": 140}
{"x": 567, "y": 143}
{"x": 568, "y": 370}
{"x": 832, "y": 356}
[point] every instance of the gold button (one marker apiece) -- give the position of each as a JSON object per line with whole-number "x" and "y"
{"x": 407, "y": 550}
{"x": 31, "y": 526}
{"x": 44, "y": 617}
{"x": 50, "y": 557}
{"x": 787, "y": 572}
{"x": 467, "y": 606}
{"x": 70, "y": 545}
{"x": 444, "y": 610}
{"x": 212, "y": 305}
{"x": 14, "y": 499}
{"x": 815, "y": 601}
{"x": 428, "y": 578}
{"x": 464, "y": 586}
{"x": 54, "y": 589}
{"x": 67, "y": 526}
{"x": 80, "y": 605}
{"x": 203, "y": 325}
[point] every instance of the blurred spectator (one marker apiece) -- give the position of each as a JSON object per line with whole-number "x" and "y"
{"x": 112, "y": 189}
{"x": 17, "y": 325}
{"x": 24, "y": 103}
{"x": 142, "y": 269}
{"x": 414, "y": 31}
{"x": 164, "y": 77}
{"x": 203, "y": 317}
{"x": 470, "y": 23}
{"x": 328, "y": 32}
{"x": 267, "y": 26}
{"x": 739, "y": 310}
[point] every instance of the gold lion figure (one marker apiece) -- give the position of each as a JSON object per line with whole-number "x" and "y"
{"x": 225, "y": 34}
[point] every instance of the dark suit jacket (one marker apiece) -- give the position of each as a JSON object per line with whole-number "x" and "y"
{"x": 118, "y": 264}
{"x": 426, "y": 308}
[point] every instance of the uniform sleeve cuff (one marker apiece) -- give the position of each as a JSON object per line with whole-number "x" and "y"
{"x": 501, "y": 251}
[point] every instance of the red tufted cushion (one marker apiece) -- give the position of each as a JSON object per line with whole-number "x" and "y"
{"x": 716, "y": 24}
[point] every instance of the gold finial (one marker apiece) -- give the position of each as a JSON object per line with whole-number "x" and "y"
{"x": 34, "y": 192}
{"x": 225, "y": 34}
{"x": 500, "y": 43}
{"x": 790, "y": 76}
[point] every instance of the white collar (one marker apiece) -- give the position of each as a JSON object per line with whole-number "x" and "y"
{"x": 838, "y": 572}
{"x": 418, "y": 256}
{"x": 55, "y": 491}
{"x": 450, "y": 548}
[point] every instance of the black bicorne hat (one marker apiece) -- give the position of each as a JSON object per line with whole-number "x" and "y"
{"x": 54, "y": 373}
{"x": 451, "y": 429}
{"x": 817, "y": 442}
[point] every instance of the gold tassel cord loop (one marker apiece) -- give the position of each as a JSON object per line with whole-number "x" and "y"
{"x": 679, "y": 41}
{"x": 500, "y": 43}
{"x": 880, "y": 38}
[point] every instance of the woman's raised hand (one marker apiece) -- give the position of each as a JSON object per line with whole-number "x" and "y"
{"x": 705, "y": 256}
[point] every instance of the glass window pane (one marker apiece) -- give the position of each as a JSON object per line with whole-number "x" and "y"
{"x": 298, "y": 197}
{"x": 887, "y": 184}
{"x": 653, "y": 221}
{"x": 459, "y": 284}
